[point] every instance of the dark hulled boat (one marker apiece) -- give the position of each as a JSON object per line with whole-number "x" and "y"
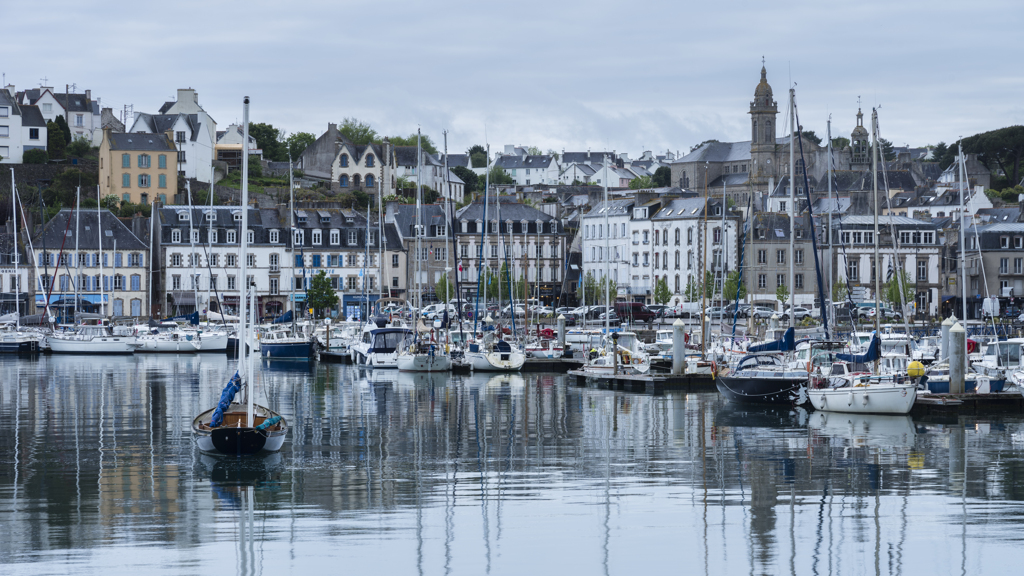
{"x": 761, "y": 377}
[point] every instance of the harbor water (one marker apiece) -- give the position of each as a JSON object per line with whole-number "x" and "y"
{"x": 396, "y": 473}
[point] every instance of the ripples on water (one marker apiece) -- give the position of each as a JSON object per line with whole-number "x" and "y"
{"x": 523, "y": 474}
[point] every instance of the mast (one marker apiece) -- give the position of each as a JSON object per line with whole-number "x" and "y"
{"x": 483, "y": 236}
{"x": 607, "y": 260}
{"x": 874, "y": 200}
{"x": 447, "y": 218}
{"x": 380, "y": 222}
{"x": 99, "y": 233}
{"x": 17, "y": 277}
{"x": 419, "y": 234}
{"x": 962, "y": 176}
{"x": 792, "y": 208}
{"x": 291, "y": 242}
{"x": 243, "y": 318}
{"x": 192, "y": 247}
{"x": 209, "y": 241}
{"x": 828, "y": 168}
{"x": 78, "y": 256}
{"x": 703, "y": 237}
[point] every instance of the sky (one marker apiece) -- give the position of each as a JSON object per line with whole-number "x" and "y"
{"x": 565, "y": 75}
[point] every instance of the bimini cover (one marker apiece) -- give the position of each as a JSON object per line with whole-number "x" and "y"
{"x": 783, "y": 344}
{"x": 234, "y": 385}
{"x": 873, "y": 353}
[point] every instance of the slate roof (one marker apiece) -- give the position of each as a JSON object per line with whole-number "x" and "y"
{"x": 514, "y": 162}
{"x": 883, "y": 220}
{"x": 999, "y": 215}
{"x": 406, "y": 156}
{"x": 430, "y": 215}
{"x": 392, "y": 240}
{"x": 857, "y": 180}
{"x": 7, "y": 100}
{"x": 718, "y": 152}
{"x": 615, "y": 208}
{"x": 737, "y": 179}
{"x": 160, "y": 123}
{"x": 113, "y": 230}
{"x": 510, "y": 210}
{"x": 586, "y": 157}
{"x": 1003, "y": 227}
{"x": 457, "y": 160}
{"x": 139, "y": 141}
{"x": 684, "y": 208}
{"x": 776, "y": 226}
{"x": 74, "y": 102}
{"x": 835, "y": 205}
{"x": 224, "y": 217}
{"x": 32, "y": 117}
{"x": 167, "y": 106}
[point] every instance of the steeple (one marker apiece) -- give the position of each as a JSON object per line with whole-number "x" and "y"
{"x": 763, "y": 110}
{"x": 859, "y": 142}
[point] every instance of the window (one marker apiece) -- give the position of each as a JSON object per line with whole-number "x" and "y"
{"x": 929, "y": 238}
{"x": 677, "y": 259}
{"x": 853, "y": 271}
{"x": 79, "y": 121}
{"x": 762, "y": 281}
{"x": 316, "y": 260}
{"x": 4, "y": 111}
{"x": 162, "y": 181}
{"x": 394, "y": 281}
{"x": 717, "y": 236}
{"x": 335, "y": 237}
{"x": 175, "y": 236}
{"x": 352, "y": 236}
{"x": 677, "y": 236}
{"x": 369, "y": 164}
{"x": 798, "y": 281}
{"x": 33, "y": 133}
{"x": 689, "y": 236}
{"x": 5, "y": 131}
{"x": 250, "y": 260}
{"x": 232, "y": 236}
{"x": 344, "y": 163}
{"x": 176, "y": 282}
{"x": 394, "y": 260}
{"x": 230, "y": 260}
{"x": 780, "y": 280}
{"x": 275, "y": 236}
{"x": 213, "y": 258}
{"x": 231, "y": 282}
{"x": 440, "y": 254}
{"x": 1018, "y": 265}
{"x": 144, "y": 161}
{"x": 181, "y": 156}
{"x": 351, "y": 282}
{"x": 343, "y": 181}
{"x": 762, "y": 256}
{"x": 126, "y": 160}
{"x": 355, "y": 179}
{"x": 317, "y": 237}
{"x": 922, "y": 269}
{"x": 798, "y": 257}
{"x": 646, "y": 237}
{"x": 213, "y": 282}
{"x": 143, "y": 180}
{"x": 1004, "y": 265}
{"x": 236, "y": 216}
{"x": 299, "y": 263}
{"x": 195, "y": 236}
{"x": 161, "y": 161}
{"x": 782, "y": 206}
{"x": 126, "y": 197}
{"x": 299, "y": 237}
{"x": 126, "y": 181}
{"x": 136, "y": 282}
{"x": 193, "y": 259}
{"x": 47, "y": 107}
{"x": 780, "y": 256}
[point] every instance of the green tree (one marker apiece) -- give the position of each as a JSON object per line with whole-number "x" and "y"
{"x": 499, "y": 176}
{"x": 255, "y": 167}
{"x": 1002, "y": 149}
{"x": 839, "y": 143}
{"x": 358, "y": 132}
{"x": 297, "y": 142}
{"x": 534, "y": 151}
{"x": 782, "y": 294}
{"x": 55, "y": 144}
{"x": 692, "y": 291}
{"x": 641, "y": 182}
{"x": 662, "y": 294}
{"x": 839, "y": 292}
{"x": 268, "y": 139}
{"x": 887, "y": 151}
{"x": 64, "y": 128}
{"x": 468, "y": 177}
{"x": 891, "y": 289}
{"x": 425, "y": 142}
{"x": 320, "y": 294}
{"x": 79, "y": 148}
{"x": 810, "y": 135}
{"x": 35, "y": 156}
{"x": 733, "y": 282}
{"x": 477, "y": 156}
{"x": 111, "y": 202}
{"x": 662, "y": 177}
{"x": 938, "y": 151}
{"x": 442, "y": 289}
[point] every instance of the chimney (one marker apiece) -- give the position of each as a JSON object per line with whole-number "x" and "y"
{"x": 10, "y": 88}
{"x": 390, "y": 212}
{"x": 88, "y": 94}
{"x": 331, "y": 127}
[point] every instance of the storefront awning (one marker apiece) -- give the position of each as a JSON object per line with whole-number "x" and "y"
{"x": 70, "y": 298}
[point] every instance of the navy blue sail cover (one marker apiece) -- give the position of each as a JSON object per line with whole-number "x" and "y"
{"x": 873, "y": 353}
{"x": 784, "y": 344}
{"x": 234, "y": 385}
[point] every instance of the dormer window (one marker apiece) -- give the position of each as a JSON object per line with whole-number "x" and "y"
{"x": 232, "y": 236}
{"x": 275, "y": 236}
{"x": 335, "y": 237}
{"x": 182, "y": 216}
{"x": 237, "y": 216}
{"x": 351, "y": 237}
{"x": 301, "y": 218}
{"x": 209, "y": 216}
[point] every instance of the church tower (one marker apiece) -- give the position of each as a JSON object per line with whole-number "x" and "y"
{"x": 860, "y": 145}
{"x": 763, "y": 111}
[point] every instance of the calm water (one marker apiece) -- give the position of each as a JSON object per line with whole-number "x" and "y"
{"x": 387, "y": 473}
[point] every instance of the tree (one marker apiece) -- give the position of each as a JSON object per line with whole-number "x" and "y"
{"x": 111, "y": 202}
{"x": 1002, "y": 148}
{"x": 358, "y": 132}
{"x": 534, "y": 151}
{"x": 499, "y": 176}
{"x": 35, "y": 156}
{"x": 442, "y": 290}
{"x": 477, "y": 156}
{"x": 404, "y": 183}
{"x": 320, "y": 294}
{"x": 692, "y": 148}
{"x": 641, "y": 182}
{"x": 79, "y": 147}
{"x": 63, "y": 124}
{"x": 839, "y": 292}
{"x": 734, "y": 282}
{"x": 468, "y": 177}
{"x": 891, "y": 290}
{"x": 938, "y": 151}
{"x": 662, "y": 294}
{"x": 55, "y": 144}
{"x": 255, "y": 167}
{"x": 782, "y": 294}
{"x": 887, "y": 151}
{"x": 691, "y": 292}
{"x": 425, "y": 142}
{"x": 298, "y": 142}
{"x": 268, "y": 139}
{"x": 662, "y": 177}
{"x": 839, "y": 143}
{"x": 810, "y": 135}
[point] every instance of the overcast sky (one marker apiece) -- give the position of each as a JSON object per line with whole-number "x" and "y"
{"x": 627, "y": 76}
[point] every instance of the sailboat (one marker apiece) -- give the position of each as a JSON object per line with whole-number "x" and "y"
{"x": 420, "y": 355}
{"x": 233, "y": 427}
{"x": 12, "y": 339}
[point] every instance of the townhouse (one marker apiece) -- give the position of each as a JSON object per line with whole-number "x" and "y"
{"x": 193, "y": 131}
{"x": 82, "y": 114}
{"x": 434, "y": 239}
{"x": 138, "y": 167}
{"x": 22, "y": 128}
{"x": 692, "y": 236}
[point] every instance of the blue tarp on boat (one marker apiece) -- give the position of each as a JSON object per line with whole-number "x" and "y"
{"x": 286, "y": 317}
{"x": 192, "y": 318}
{"x": 873, "y": 353}
{"x": 234, "y": 385}
{"x": 783, "y": 344}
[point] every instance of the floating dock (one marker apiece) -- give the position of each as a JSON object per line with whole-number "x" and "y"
{"x": 651, "y": 383}
{"x": 968, "y": 404}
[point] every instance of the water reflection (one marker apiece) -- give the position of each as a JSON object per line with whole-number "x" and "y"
{"x": 486, "y": 473}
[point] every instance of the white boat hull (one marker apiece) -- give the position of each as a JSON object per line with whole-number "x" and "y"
{"x": 423, "y": 363}
{"x": 869, "y": 399}
{"x": 214, "y": 342}
{"x": 167, "y": 345}
{"x": 94, "y": 345}
{"x": 492, "y": 361}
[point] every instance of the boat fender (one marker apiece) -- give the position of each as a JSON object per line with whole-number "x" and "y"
{"x": 849, "y": 401}
{"x": 864, "y": 401}
{"x": 636, "y": 361}
{"x": 269, "y": 422}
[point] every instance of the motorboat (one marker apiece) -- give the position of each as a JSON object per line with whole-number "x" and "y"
{"x": 548, "y": 349}
{"x": 14, "y": 341}
{"x": 927, "y": 350}
{"x": 166, "y": 337}
{"x": 936, "y": 380}
{"x": 492, "y": 353}
{"x": 622, "y": 353}
{"x": 999, "y": 361}
{"x": 90, "y": 339}
{"x": 378, "y": 347}
{"x": 281, "y": 343}
{"x": 422, "y": 354}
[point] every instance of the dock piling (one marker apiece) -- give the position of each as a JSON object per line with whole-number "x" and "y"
{"x": 957, "y": 358}
{"x": 678, "y": 347}
{"x": 944, "y": 345}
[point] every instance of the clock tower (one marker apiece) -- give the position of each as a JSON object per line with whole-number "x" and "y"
{"x": 763, "y": 112}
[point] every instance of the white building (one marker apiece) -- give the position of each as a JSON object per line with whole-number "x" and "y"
{"x": 22, "y": 128}
{"x": 80, "y": 111}
{"x": 195, "y": 133}
{"x": 685, "y": 244}
{"x": 528, "y": 169}
{"x": 608, "y": 241}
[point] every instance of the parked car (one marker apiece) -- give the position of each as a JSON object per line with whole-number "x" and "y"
{"x": 762, "y": 312}
{"x": 866, "y": 310}
{"x": 634, "y": 311}
{"x": 799, "y": 313}
{"x": 658, "y": 309}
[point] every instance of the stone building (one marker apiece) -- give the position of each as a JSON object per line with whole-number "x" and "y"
{"x": 138, "y": 167}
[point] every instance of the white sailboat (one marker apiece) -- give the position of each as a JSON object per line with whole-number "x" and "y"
{"x": 234, "y": 427}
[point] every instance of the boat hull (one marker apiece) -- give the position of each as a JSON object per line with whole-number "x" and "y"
{"x": 167, "y": 346}
{"x": 108, "y": 345}
{"x": 496, "y": 361}
{"x": 424, "y": 363}
{"x": 870, "y": 399}
{"x": 287, "y": 350}
{"x": 214, "y": 343}
{"x": 238, "y": 440}
{"x": 760, "y": 389}
{"x": 28, "y": 346}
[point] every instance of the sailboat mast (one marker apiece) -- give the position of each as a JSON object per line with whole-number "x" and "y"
{"x": 962, "y": 176}
{"x": 78, "y": 256}
{"x": 291, "y": 241}
{"x": 243, "y": 318}
{"x": 419, "y": 233}
{"x": 17, "y": 259}
{"x": 703, "y": 238}
{"x": 792, "y": 208}
{"x": 192, "y": 247}
{"x": 99, "y": 234}
{"x": 209, "y": 242}
{"x": 483, "y": 236}
{"x": 874, "y": 200}
{"x": 446, "y": 203}
{"x": 607, "y": 258}
{"x": 831, "y": 209}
